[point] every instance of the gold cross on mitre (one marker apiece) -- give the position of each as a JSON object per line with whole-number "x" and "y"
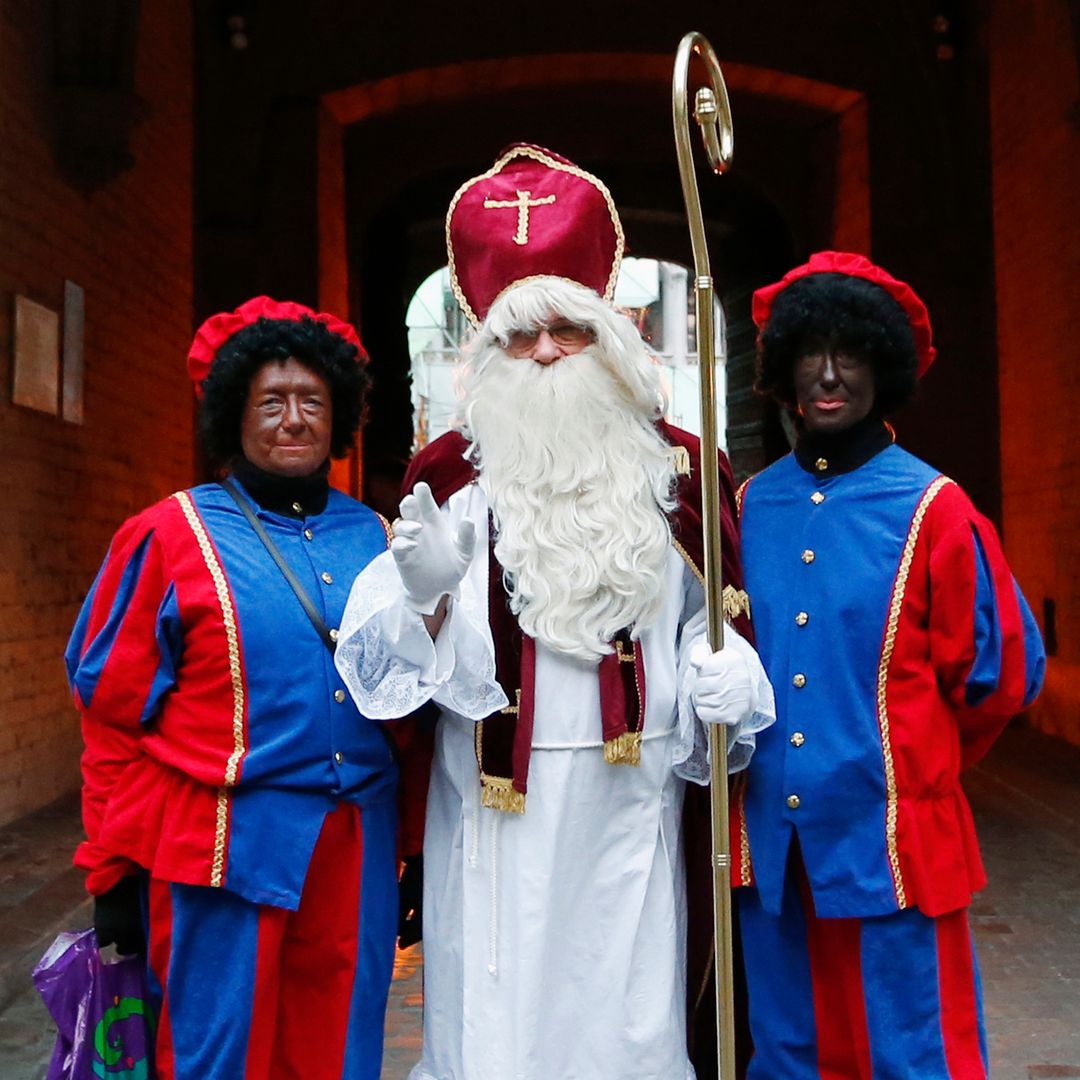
{"x": 523, "y": 201}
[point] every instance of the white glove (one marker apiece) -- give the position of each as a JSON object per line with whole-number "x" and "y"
{"x": 723, "y": 691}
{"x": 429, "y": 559}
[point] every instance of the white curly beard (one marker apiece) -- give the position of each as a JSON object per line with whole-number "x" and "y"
{"x": 579, "y": 481}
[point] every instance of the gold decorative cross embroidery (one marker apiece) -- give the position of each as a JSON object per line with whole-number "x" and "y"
{"x": 523, "y": 202}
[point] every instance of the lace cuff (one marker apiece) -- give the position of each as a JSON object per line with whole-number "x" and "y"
{"x": 390, "y": 663}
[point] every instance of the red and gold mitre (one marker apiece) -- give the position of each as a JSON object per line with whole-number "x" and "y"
{"x": 532, "y": 214}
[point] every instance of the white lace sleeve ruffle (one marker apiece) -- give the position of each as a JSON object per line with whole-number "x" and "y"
{"x": 386, "y": 655}
{"x": 692, "y": 758}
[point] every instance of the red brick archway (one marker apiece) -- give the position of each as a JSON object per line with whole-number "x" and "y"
{"x": 460, "y": 83}
{"x": 463, "y": 81}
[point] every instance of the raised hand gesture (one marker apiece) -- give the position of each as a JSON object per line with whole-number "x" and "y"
{"x": 430, "y": 558}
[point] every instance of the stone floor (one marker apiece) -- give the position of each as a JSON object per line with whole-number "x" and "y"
{"x": 1026, "y": 798}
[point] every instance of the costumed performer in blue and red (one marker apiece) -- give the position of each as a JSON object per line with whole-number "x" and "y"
{"x": 899, "y": 646}
{"x": 232, "y": 792}
{"x": 544, "y": 591}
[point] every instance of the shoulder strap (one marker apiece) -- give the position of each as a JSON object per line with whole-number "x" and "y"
{"x": 286, "y": 570}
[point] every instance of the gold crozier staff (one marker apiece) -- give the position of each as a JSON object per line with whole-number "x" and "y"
{"x": 713, "y": 115}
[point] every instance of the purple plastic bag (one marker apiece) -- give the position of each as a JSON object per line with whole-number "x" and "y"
{"x": 104, "y": 1022}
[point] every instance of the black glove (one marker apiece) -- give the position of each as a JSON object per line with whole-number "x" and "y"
{"x": 411, "y": 901}
{"x": 118, "y": 918}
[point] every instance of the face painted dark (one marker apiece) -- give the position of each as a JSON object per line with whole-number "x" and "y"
{"x": 833, "y": 390}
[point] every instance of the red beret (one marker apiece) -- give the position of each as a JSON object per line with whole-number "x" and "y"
{"x": 532, "y": 213}
{"x": 844, "y": 262}
{"x": 219, "y": 328}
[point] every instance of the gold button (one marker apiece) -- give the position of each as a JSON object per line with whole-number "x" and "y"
{"x": 821, "y": 464}
{"x": 333, "y": 635}
{"x": 793, "y": 802}
{"x": 808, "y": 556}
{"x": 798, "y": 680}
{"x": 339, "y": 696}
{"x": 327, "y": 577}
{"x": 308, "y": 534}
{"x": 802, "y": 619}
{"x": 817, "y": 498}
{"x": 297, "y": 508}
{"x": 797, "y": 739}
{"x": 339, "y": 757}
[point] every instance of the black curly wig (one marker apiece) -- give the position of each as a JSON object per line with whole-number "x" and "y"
{"x": 328, "y": 354}
{"x": 841, "y": 313}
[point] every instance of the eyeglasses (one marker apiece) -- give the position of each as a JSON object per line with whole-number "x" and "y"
{"x": 567, "y": 335}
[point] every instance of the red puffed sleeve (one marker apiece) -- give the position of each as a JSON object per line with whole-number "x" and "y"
{"x": 985, "y": 645}
{"x": 121, "y": 661}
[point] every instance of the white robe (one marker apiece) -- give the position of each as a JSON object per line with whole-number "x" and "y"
{"x": 554, "y": 940}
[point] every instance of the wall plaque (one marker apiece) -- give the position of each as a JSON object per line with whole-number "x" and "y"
{"x": 37, "y": 357}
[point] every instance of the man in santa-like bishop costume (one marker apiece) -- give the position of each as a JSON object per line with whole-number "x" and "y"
{"x": 544, "y": 590}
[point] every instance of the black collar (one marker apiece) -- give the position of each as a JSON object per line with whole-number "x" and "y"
{"x": 292, "y": 496}
{"x": 843, "y": 451}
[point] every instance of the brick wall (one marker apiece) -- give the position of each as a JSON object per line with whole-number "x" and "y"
{"x": 66, "y": 487}
{"x": 1035, "y": 117}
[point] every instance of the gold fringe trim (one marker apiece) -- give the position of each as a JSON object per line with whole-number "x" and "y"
{"x": 680, "y": 460}
{"x": 897, "y": 602}
{"x": 624, "y": 749}
{"x": 498, "y": 793}
{"x": 736, "y": 603}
